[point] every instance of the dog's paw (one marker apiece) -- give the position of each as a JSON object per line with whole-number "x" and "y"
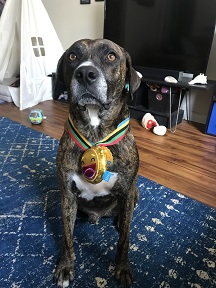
{"x": 64, "y": 275}
{"x": 124, "y": 275}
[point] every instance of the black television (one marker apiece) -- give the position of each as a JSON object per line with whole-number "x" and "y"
{"x": 163, "y": 37}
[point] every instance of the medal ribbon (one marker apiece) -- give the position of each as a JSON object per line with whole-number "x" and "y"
{"x": 113, "y": 138}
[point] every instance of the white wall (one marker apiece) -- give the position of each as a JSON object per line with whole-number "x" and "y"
{"x": 74, "y": 21}
{"x": 211, "y": 69}
{"x": 199, "y": 102}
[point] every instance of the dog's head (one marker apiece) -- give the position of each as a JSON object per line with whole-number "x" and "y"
{"x": 95, "y": 73}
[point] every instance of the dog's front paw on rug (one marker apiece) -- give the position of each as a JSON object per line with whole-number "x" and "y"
{"x": 124, "y": 275}
{"x": 64, "y": 274}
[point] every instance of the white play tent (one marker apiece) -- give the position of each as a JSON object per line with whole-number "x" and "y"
{"x": 29, "y": 50}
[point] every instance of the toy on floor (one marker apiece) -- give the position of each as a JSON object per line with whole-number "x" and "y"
{"x": 36, "y": 116}
{"x": 149, "y": 122}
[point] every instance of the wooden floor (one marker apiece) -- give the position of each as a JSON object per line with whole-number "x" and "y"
{"x": 184, "y": 161}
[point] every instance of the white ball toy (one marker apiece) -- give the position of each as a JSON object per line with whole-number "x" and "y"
{"x": 160, "y": 130}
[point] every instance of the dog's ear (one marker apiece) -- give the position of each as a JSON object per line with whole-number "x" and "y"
{"x": 133, "y": 80}
{"x": 58, "y": 83}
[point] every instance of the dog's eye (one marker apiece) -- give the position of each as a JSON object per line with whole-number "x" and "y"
{"x": 92, "y": 159}
{"x": 111, "y": 57}
{"x": 72, "y": 56}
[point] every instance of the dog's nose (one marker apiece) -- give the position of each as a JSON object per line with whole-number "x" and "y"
{"x": 86, "y": 74}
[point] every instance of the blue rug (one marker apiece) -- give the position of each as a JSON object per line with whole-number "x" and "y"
{"x": 173, "y": 238}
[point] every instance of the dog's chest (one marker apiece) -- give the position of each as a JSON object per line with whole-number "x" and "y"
{"x": 88, "y": 190}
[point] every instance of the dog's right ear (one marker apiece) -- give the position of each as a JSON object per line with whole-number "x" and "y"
{"x": 58, "y": 83}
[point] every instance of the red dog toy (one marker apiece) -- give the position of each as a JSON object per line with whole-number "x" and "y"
{"x": 149, "y": 122}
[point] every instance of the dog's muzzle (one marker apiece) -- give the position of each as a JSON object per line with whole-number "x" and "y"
{"x": 90, "y": 87}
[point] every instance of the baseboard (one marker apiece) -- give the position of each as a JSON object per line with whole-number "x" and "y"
{"x": 196, "y": 117}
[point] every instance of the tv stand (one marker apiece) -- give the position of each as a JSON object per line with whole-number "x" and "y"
{"x": 140, "y": 103}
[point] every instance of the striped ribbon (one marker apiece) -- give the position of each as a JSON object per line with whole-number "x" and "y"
{"x": 113, "y": 138}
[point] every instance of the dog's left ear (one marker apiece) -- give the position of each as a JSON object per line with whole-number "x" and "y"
{"x": 133, "y": 80}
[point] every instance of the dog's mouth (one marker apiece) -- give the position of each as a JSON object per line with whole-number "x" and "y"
{"x": 88, "y": 98}
{"x": 89, "y": 171}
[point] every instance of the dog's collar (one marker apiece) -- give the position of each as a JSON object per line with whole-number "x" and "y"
{"x": 113, "y": 138}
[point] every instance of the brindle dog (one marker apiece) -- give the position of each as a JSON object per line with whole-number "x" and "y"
{"x": 95, "y": 73}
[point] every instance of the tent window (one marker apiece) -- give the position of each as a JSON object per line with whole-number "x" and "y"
{"x": 40, "y": 41}
{"x": 42, "y": 50}
{"x": 36, "y": 52}
{"x": 38, "y": 46}
{"x": 34, "y": 41}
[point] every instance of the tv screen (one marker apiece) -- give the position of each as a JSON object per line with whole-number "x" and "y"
{"x": 165, "y": 34}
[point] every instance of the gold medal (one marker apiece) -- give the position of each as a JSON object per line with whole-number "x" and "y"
{"x": 94, "y": 163}
{"x": 97, "y": 157}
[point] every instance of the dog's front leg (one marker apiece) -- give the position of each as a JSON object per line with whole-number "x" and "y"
{"x": 123, "y": 271}
{"x": 65, "y": 269}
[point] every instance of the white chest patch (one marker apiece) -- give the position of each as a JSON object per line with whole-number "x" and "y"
{"x": 89, "y": 190}
{"x": 93, "y": 115}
